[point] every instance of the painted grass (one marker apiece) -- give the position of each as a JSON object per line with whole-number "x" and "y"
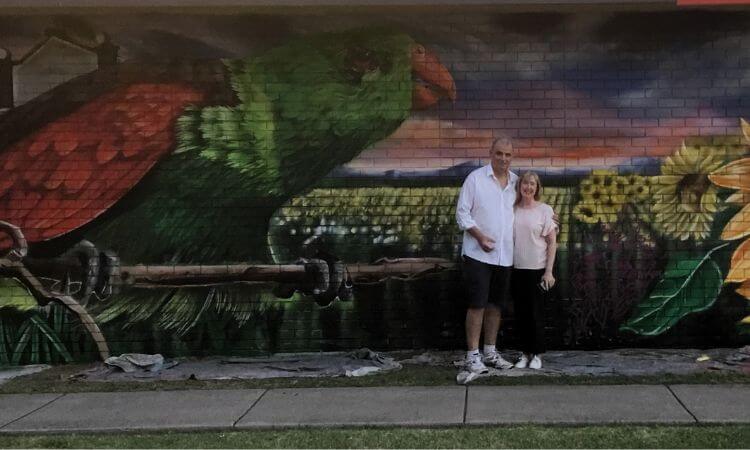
{"x": 61, "y": 379}
{"x": 729, "y": 436}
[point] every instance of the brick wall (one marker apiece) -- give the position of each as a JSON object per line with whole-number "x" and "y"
{"x": 226, "y": 143}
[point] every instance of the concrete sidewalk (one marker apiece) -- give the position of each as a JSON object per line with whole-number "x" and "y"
{"x": 377, "y": 406}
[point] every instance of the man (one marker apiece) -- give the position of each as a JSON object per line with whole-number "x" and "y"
{"x": 485, "y": 214}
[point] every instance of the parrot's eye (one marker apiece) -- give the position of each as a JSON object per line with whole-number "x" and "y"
{"x": 359, "y": 61}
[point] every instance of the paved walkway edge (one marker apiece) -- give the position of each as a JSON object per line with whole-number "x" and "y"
{"x": 413, "y": 406}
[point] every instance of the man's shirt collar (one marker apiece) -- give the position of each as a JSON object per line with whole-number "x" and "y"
{"x": 512, "y": 177}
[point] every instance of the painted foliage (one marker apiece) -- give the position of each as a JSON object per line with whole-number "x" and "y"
{"x": 213, "y": 190}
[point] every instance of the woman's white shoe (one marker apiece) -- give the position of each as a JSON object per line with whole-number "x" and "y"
{"x": 522, "y": 363}
{"x": 536, "y": 363}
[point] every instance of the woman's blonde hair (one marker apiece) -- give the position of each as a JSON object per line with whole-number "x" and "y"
{"x": 521, "y": 179}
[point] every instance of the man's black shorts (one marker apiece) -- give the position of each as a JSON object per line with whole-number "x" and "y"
{"x": 485, "y": 283}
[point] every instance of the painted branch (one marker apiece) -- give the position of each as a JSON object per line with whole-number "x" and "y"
{"x": 196, "y": 275}
{"x": 11, "y": 263}
{"x": 187, "y": 275}
{"x": 401, "y": 267}
{"x": 40, "y": 292}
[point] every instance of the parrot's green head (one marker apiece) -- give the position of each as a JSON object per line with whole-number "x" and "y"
{"x": 316, "y": 103}
{"x": 345, "y": 81}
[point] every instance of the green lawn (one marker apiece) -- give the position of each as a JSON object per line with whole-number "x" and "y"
{"x": 61, "y": 379}
{"x": 465, "y": 437}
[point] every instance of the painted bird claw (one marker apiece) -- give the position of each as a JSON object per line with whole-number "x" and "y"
{"x": 339, "y": 284}
{"x": 81, "y": 272}
{"x": 18, "y": 248}
{"x": 326, "y": 280}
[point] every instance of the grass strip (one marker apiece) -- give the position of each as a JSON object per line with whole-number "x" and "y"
{"x": 527, "y": 436}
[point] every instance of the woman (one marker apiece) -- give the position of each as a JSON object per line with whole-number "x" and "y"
{"x": 535, "y": 244}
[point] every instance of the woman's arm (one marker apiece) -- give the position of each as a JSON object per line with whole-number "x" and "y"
{"x": 548, "y": 278}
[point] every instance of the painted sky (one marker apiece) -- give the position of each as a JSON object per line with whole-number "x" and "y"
{"x": 595, "y": 89}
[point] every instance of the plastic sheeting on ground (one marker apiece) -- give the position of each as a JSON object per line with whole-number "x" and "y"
{"x": 627, "y": 362}
{"x": 8, "y": 373}
{"x": 149, "y": 367}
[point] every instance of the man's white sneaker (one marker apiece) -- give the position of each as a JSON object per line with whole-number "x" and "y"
{"x": 522, "y": 363}
{"x": 536, "y": 363}
{"x": 475, "y": 365}
{"x": 495, "y": 360}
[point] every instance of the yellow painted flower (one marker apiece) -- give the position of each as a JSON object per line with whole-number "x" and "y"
{"x": 636, "y": 188}
{"x": 585, "y": 213}
{"x": 604, "y": 194}
{"x": 684, "y": 201}
{"x": 607, "y": 211}
{"x": 587, "y": 187}
{"x": 736, "y": 175}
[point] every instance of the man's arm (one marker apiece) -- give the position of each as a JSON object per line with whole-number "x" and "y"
{"x": 464, "y": 219}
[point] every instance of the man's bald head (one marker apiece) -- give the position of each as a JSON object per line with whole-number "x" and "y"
{"x": 503, "y": 142}
{"x": 501, "y": 154}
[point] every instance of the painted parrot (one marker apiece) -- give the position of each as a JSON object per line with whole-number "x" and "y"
{"x": 184, "y": 162}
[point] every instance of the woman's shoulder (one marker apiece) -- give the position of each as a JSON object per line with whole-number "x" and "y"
{"x": 546, "y": 209}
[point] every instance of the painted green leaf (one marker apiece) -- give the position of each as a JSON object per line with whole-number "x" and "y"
{"x": 4, "y": 354}
{"x": 690, "y": 284}
{"x": 52, "y": 337}
{"x": 24, "y": 334}
{"x": 13, "y": 294}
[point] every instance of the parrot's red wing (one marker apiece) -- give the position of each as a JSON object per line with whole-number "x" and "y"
{"x": 73, "y": 169}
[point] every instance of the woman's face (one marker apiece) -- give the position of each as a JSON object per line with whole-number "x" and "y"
{"x": 528, "y": 188}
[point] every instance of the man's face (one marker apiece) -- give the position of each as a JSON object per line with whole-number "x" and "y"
{"x": 501, "y": 156}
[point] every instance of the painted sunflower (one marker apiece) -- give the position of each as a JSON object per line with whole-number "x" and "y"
{"x": 684, "y": 200}
{"x": 604, "y": 194}
{"x": 736, "y": 175}
{"x": 636, "y": 188}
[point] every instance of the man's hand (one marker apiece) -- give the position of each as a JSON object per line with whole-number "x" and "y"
{"x": 487, "y": 243}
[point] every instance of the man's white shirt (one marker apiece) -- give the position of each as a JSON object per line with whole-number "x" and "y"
{"x": 482, "y": 203}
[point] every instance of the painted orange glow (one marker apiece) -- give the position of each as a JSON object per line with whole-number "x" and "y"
{"x": 712, "y": 2}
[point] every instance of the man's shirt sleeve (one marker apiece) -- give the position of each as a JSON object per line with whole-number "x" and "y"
{"x": 465, "y": 202}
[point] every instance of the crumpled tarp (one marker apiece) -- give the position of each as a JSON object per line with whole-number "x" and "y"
{"x": 354, "y": 364}
{"x": 138, "y": 366}
{"x": 626, "y": 361}
{"x": 136, "y": 362}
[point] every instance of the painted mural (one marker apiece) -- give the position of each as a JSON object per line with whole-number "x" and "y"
{"x": 260, "y": 183}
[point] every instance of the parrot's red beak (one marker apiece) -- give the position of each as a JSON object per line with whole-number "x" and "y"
{"x": 432, "y": 81}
